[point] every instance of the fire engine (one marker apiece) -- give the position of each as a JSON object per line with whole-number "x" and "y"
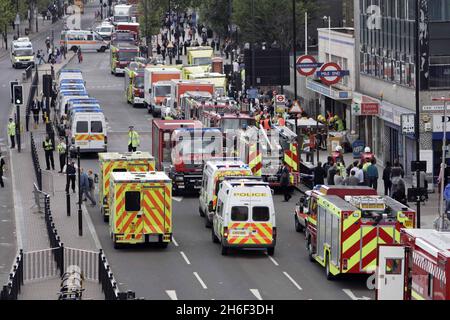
{"x": 266, "y": 150}
{"x": 134, "y": 84}
{"x": 121, "y": 56}
{"x": 346, "y": 224}
{"x": 415, "y": 269}
{"x": 180, "y": 148}
{"x": 224, "y": 119}
{"x": 119, "y": 162}
{"x": 192, "y": 102}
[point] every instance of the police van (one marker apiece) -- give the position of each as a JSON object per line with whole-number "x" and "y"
{"x": 213, "y": 174}
{"x": 21, "y": 53}
{"x": 245, "y": 216}
{"x": 87, "y": 40}
{"x": 88, "y": 131}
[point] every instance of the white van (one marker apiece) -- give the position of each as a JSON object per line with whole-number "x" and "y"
{"x": 245, "y": 216}
{"x": 85, "y": 39}
{"x": 21, "y": 53}
{"x": 88, "y": 131}
{"x": 213, "y": 174}
{"x": 105, "y": 30}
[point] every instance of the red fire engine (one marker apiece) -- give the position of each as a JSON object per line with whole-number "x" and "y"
{"x": 415, "y": 269}
{"x": 346, "y": 224}
{"x": 181, "y": 147}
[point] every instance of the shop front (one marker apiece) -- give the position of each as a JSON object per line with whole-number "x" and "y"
{"x": 364, "y": 109}
{"x": 438, "y": 134}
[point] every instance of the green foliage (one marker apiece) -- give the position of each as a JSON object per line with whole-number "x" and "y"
{"x": 269, "y": 21}
{"x": 7, "y": 15}
{"x": 215, "y": 14}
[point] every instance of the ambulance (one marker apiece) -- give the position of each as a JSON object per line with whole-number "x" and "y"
{"x": 119, "y": 162}
{"x": 245, "y": 216}
{"x": 140, "y": 208}
{"x": 214, "y": 173}
{"x": 22, "y": 53}
{"x": 345, "y": 225}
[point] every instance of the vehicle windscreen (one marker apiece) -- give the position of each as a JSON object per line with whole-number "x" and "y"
{"x": 127, "y": 55}
{"x": 121, "y": 18}
{"x": 195, "y": 146}
{"x": 139, "y": 82}
{"x": 162, "y": 91}
{"x": 234, "y": 124}
{"x": 24, "y": 52}
{"x": 202, "y": 61}
{"x": 105, "y": 30}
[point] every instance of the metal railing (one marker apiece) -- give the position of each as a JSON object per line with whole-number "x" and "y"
{"x": 31, "y": 95}
{"x": 106, "y": 278}
{"x": 39, "y": 198}
{"x": 40, "y": 265}
{"x": 35, "y": 158}
{"x": 11, "y": 290}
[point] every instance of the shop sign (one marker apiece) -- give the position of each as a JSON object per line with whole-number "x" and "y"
{"x": 408, "y": 123}
{"x": 358, "y": 148}
{"x": 438, "y": 123}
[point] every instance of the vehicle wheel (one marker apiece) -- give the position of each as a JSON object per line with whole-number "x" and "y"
{"x": 214, "y": 237}
{"x": 327, "y": 268}
{"x": 310, "y": 250}
{"x": 112, "y": 72}
{"x": 116, "y": 245}
{"x": 105, "y": 218}
{"x": 103, "y": 49}
{"x": 208, "y": 223}
{"x": 224, "y": 250}
{"x": 164, "y": 245}
{"x": 271, "y": 251}
{"x": 14, "y": 66}
{"x": 298, "y": 226}
{"x": 202, "y": 214}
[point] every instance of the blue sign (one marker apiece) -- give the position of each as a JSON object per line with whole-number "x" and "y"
{"x": 309, "y": 65}
{"x": 358, "y": 148}
{"x": 333, "y": 73}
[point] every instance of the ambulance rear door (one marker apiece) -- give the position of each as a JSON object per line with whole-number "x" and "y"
{"x": 156, "y": 211}
{"x": 390, "y": 276}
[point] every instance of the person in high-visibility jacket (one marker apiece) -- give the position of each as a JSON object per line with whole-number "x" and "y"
{"x": 12, "y": 132}
{"x": 266, "y": 123}
{"x": 133, "y": 140}
{"x": 61, "y": 148}
{"x": 48, "y": 148}
{"x": 258, "y": 119}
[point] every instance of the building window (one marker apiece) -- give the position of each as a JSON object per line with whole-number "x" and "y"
{"x": 397, "y": 71}
{"x": 439, "y": 10}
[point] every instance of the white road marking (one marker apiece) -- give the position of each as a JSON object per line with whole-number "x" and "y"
{"x": 185, "y": 258}
{"x": 352, "y": 295}
{"x": 18, "y": 212}
{"x": 91, "y": 227}
{"x": 177, "y": 199}
{"x": 256, "y": 293}
{"x": 200, "y": 280}
{"x": 174, "y": 242}
{"x": 292, "y": 280}
{"x": 172, "y": 294}
{"x": 273, "y": 260}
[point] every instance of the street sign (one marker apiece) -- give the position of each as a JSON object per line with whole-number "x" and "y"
{"x": 331, "y": 73}
{"x": 306, "y": 65}
{"x": 408, "y": 123}
{"x": 295, "y": 108}
{"x": 280, "y": 99}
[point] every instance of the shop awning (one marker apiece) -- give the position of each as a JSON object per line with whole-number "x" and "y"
{"x": 363, "y": 105}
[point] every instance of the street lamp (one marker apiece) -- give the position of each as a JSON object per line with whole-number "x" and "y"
{"x": 80, "y": 212}
{"x": 442, "y": 224}
{"x": 67, "y": 176}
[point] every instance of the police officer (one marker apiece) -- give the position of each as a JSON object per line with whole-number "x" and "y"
{"x": 48, "y": 148}
{"x": 133, "y": 140}
{"x": 12, "y": 132}
{"x": 61, "y": 148}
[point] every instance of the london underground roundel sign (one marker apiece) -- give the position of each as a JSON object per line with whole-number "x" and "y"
{"x": 307, "y": 65}
{"x": 331, "y": 73}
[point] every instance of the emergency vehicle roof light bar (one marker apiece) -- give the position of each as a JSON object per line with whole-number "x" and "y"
{"x": 249, "y": 178}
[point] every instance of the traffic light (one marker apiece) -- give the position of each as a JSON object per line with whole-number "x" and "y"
{"x": 18, "y": 95}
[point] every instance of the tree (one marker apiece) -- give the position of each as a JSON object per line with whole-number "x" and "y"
{"x": 216, "y": 15}
{"x": 269, "y": 21}
{"x": 8, "y": 14}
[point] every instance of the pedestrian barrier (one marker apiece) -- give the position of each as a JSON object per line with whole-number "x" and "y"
{"x": 40, "y": 265}
{"x": 35, "y": 158}
{"x": 87, "y": 260}
{"x": 106, "y": 279}
{"x": 11, "y": 290}
{"x": 39, "y": 198}
{"x": 47, "y": 183}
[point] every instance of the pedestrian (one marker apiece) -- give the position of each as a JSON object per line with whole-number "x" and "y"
{"x": 63, "y": 51}
{"x": 12, "y": 132}
{"x": 284, "y": 182}
{"x": 61, "y": 148}
{"x": 84, "y": 186}
{"x": 372, "y": 174}
{"x": 331, "y": 173}
{"x": 351, "y": 180}
{"x": 397, "y": 170}
{"x": 35, "y": 110}
{"x": 80, "y": 55}
{"x": 133, "y": 140}
{"x": 338, "y": 179}
{"x": 71, "y": 171}
{"x": 399, "y": 190}
{"x": 2, "y": 169}
{"x": 48, "y": 148}
{"x": 328, "y": 164}
{"x": 446, "y": 197}
{"x": 40, "y": 57}
{"x": 91, "y": 190}
{"x": 319, "y": 174}
{"x": 359, "y": 174}
{"x": 387, "y": 178}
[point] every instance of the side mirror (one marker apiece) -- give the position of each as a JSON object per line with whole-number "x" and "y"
{"x": 210, "y": 206}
